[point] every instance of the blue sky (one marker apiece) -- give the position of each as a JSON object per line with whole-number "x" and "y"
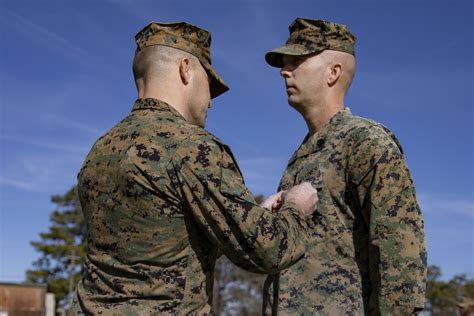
{"x": 65, "y": 78}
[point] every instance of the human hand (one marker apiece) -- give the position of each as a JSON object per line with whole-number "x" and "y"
{"x": 304, "y": 196}
{"x": 273, "y": 202}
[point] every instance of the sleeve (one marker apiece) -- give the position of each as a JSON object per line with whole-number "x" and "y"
{"x": 213, "y": 190}
{"x": 397, "y": 253}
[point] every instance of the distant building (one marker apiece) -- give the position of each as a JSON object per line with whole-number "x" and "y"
{"x": 22, "y": 299}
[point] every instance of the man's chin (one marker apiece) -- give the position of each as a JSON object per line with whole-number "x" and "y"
{"x": 298, "y": 106}
{"x": 294, "y": 103}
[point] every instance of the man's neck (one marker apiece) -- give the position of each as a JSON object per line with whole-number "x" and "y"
{"x": 173, "y": 100}
{"x": 317, "y": 116}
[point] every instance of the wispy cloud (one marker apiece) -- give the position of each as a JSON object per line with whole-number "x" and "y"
{"x": 41, "y": 173}
{"x": 56, "y": 42}
{"x": 43, "y": 35}
{"x": 49, "y": 170}
{"x": 73, "y": 124}
{"x": 47, "y": 144}
{"x": 438, "y": 205}
{"x": 18, "y": 184}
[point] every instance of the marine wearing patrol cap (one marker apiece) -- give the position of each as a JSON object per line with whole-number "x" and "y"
{"x": 309, "y": 36}
{"x": 367, "y": 253}
{"x": 186, "y": 37}
{"x": 163, "y": 198}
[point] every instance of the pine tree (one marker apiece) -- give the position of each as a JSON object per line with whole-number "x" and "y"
{"x": 62, "y": 248}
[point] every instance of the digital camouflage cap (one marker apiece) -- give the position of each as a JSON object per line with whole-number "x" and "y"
{"x": 186, "y": 37}
{"x": 311, "y": 36}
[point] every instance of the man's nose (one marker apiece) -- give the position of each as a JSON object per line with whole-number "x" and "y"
{"x": 285, "y": 71}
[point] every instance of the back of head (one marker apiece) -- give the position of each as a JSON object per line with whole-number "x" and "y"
{"x": 182, "y": 37}
{"x": 156, "y": 63}
{"x": 175, "y": 77}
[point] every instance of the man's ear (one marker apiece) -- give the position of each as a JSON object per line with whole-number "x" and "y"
{"x": 335, "y": 72}
{"x": 185, "y": 70}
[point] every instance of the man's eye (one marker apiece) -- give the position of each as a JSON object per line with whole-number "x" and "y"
{"x": 298, "y": 60}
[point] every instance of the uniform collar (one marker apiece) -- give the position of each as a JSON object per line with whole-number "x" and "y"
{"x": 317, "y": 141}
{"x": 151, "y": 103}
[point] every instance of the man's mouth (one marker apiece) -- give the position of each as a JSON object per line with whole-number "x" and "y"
{"x": 290, "y": 89}
{"x": 289, "y": 85}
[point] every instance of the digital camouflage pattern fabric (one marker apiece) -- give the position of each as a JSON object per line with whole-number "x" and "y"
{"x": 366, "y": 254}
{"x": 311, "y": 36}
{"x": 162, "y": 200}
{"x": 186, "y": 37}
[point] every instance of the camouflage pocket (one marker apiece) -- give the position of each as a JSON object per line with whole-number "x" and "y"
{"x": 311, "y": 175}
{"x": 230, "y": 182}
{"x": 232, "y": 185}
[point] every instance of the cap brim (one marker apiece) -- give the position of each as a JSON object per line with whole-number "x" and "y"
{"x": 274, "y": 57}
{"x": 217, "y": 85}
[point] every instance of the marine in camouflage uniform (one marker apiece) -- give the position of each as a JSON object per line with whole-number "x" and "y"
{"x": 367, "y": 253}
{"x": 163, "y": 198}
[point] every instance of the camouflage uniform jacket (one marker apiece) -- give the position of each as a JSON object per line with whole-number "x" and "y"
{"x": 162, "y": 199}
{"x": 367, "y": 250}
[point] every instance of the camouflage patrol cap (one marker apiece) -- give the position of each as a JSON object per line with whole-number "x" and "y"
{"x": 311, "y": 36}
{"x": 186, "y": 37}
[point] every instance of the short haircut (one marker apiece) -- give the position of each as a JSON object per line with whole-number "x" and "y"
{"x": 156, "y": 60}
{"x": 348, "y": 66}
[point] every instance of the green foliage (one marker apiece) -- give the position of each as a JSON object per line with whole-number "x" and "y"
{"x": 446, "y": 298}
{"x": 62, "y": 248}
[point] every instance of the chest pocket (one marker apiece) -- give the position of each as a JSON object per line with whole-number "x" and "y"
{"x": 311, "y": 173}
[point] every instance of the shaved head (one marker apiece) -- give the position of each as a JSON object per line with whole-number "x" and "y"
{"x": 348, "y": 64}
{"x": 175, "y": 77}
{"x": 155, "y": 62}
